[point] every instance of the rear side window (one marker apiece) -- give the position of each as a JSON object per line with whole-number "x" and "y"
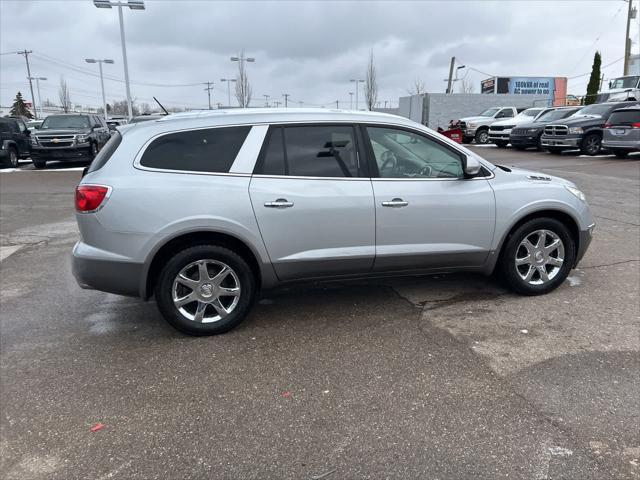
{"x": 105, "y": 153}
{"x": 624, "y": 118}
{"x": 4, "y": 126}
{"x": 311, "y": 151}
{"x": 210, "y": 150}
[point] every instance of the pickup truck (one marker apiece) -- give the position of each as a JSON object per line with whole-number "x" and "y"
{"x": 477, "y": 127}
{"x": 581, "y": 131}
{"x": 499, "y": 131}
{"x": 14, "y": 140}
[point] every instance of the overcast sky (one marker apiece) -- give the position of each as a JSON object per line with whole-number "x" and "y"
{"x": 309, "y": 49}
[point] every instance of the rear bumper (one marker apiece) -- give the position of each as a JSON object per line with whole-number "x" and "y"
{"x": 70, "y": 154}
{"x": 105, "y": 274}
{"x": 621, "y": 145}
{"x": 584, "y": 241}
{"x": 561, "y": 142}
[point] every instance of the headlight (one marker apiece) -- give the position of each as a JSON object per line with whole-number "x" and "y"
{"x": 472, "y": 125}
{"x": 576, "y": 192}
{"x": 81, "y": 139}
{"x": 576, "y": 130}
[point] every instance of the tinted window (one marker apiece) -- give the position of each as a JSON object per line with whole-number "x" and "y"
{"x": 403, "y": 154}
{"x": 273, "y": 162}
{"x": 4, "y": 126}
{"x": 321, "y": 151}
{"x": 507, "y": 112}
{"x": 624, "y": 118}
{"x": 65, "y": 121}
{"x": 105, "y": 153}
{"x": 208, "y": 150}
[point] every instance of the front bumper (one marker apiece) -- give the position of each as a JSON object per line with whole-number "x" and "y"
{"x": 60, "y": 153}
{"x": 523, "y": 140}
{"x": 584, "y": 240}
{"x": 96, "y": 272}
{"x": 561, "y": 142}
{"x": 502, "y": 136}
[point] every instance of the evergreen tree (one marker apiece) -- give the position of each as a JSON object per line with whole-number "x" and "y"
{"x": 594, "y": 80}
{"x": 19, "y": 108}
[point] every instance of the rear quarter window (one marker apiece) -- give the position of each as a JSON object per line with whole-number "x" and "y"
{"x": 211, "y": 150}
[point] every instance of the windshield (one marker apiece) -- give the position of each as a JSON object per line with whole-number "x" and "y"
{"x": 530, "y": 112}
{"x": 624, "y": 82}
{"x": 65, "y": 121}
{"x": 556, "y": 114}
{"x": 598, "y": 110}
{"x": 490, "y": 112}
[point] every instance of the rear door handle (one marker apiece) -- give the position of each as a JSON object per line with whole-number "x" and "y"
{"x": 396, "y": 202}
{"x": 279, "y": 203}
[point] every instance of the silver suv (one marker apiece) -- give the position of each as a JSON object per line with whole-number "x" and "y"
{"x": 205, "y": 210}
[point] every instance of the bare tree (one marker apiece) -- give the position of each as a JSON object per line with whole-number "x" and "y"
{"x": 466, "y": 86}
{"x": 243, "y": 87}
{"x": 418, "y": 87}
{"x": 64, "y": 96}
{"x": 371, "y": 83}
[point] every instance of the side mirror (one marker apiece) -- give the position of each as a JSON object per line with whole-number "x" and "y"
{"x": 27, "y": 132}
{"x": 471, "y": 167}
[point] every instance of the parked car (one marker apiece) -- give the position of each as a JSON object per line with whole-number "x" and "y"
{"x": 499, "y": 131}
{"x": 34, "y": 124}
{"x": 621, "y": 133}
{"x": 113, "y": 123}
{"x": 582, "y": 130}
{"x": 530, "y": 134}
{"x": 146, "y": 118}
{"x": 205, "y": 211}
{"x": 572, "y": 101}
{"x": 621, "y": 89}
{"x": 14, "y": 141}
{"x": 477, "y": 127}
{"x": 68, "y": 137}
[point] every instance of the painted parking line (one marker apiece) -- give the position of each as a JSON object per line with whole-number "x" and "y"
{"x": 8, "y": 250}
{"x": 72, "y": 169}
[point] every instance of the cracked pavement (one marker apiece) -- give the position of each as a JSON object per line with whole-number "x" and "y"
{"x": 439, "y": 377}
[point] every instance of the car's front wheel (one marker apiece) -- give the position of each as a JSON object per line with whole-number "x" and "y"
{"x": 205, "y": 290}
{"x": 482, "y": 137}
{"x": 537, "y": 256}
{"x": 93, "y": 150}
{"x": 40, "y": 164}
{"x": 13, "y": 157}
{"x": 591, "y": 144}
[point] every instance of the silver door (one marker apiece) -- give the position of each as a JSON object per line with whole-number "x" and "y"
{"x": 427, "y": 214}
{"x": 314, "y": 225}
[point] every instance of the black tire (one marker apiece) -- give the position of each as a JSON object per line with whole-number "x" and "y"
{"x": 507, "y": 267}
{"x": 620, "y": 153}
{"x": 466, "y": 140}
{"x": 555, "y": 150}
{"x": 520, "y": 148}
{"x": 13, "y": 157}
{"x": 93, "y": 150}
{"x": 164, "y": 289}
{"x": 539, "y": 146}
{"x": 482, "y": 136}
{"x": 501, "y": 144}
{"x": 39, "y": 164}
{"x": 591, "y": 144}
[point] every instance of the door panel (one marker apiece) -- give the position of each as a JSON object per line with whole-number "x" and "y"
{"x": 315, "y": 227}
{"x": 445, "y": 223}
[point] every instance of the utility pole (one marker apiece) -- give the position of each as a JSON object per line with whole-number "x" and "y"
{"x": 453, "y": 61}
{"x": 266, "y": 100}
{"x": 208, "y": 90}
{"x": 357, "y": 82}
{"x": 350, "y": 100}
{"x": 337, "y": 105}
{"x": 631, "y": 13}
{"x": 26, "y": 53}
{"x": 277, "y": 104}
{"x": 286, "y": 99}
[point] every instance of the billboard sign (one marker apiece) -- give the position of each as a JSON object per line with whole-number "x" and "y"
{"x": 555, "y": 88}
{"x": 488, "y": 85}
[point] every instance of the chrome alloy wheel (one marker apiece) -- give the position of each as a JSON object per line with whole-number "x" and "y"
{"x": 539, "y": 257}
{"x": 206, "y": 291}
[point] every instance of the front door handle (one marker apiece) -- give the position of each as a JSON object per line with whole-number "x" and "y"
{"x": 279, "y": 203}
{"x": 396, "y": 202}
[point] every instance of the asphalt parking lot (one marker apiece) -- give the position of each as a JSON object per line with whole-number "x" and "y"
{"x": 445, "y": 377}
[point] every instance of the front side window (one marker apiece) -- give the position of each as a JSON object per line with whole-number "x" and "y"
{"x": 210, "y": 150}
{"x": 506, "y": 113}
{"x": 310, "y": 151}
{"x": 403, "y": 154}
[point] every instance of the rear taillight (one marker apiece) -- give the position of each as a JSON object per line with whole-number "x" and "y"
{"x": 89, "y": 198}
{"x": 607, "y": 125}
{"x": 635, "y": 125}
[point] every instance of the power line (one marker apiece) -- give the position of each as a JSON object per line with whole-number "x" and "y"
{"x": 589, "y": 73}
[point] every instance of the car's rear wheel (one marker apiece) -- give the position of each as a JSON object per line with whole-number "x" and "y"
{"x": 205, "y": 290}
{"x": 591, "y": 144}
{"x": 40, "y": 164}
{"x": 482, "y": 137}
{"x": 13, "y": 157}
{"x": 501, "y": 144}
{"x": 537, "y": 256}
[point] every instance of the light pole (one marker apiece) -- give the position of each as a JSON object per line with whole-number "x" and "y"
{"x": 266, "y": 100}
{"x": 133, "y": 5}
{"x": 357, "y": 88}
{"x": 100, "y": 62}
{"x": 286, "y": 99}
{"x": 244, "y": 83}
{"x": 228, "y": 80}
{"x": 37, "y": 79}
{"x": 350, "y": 100}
